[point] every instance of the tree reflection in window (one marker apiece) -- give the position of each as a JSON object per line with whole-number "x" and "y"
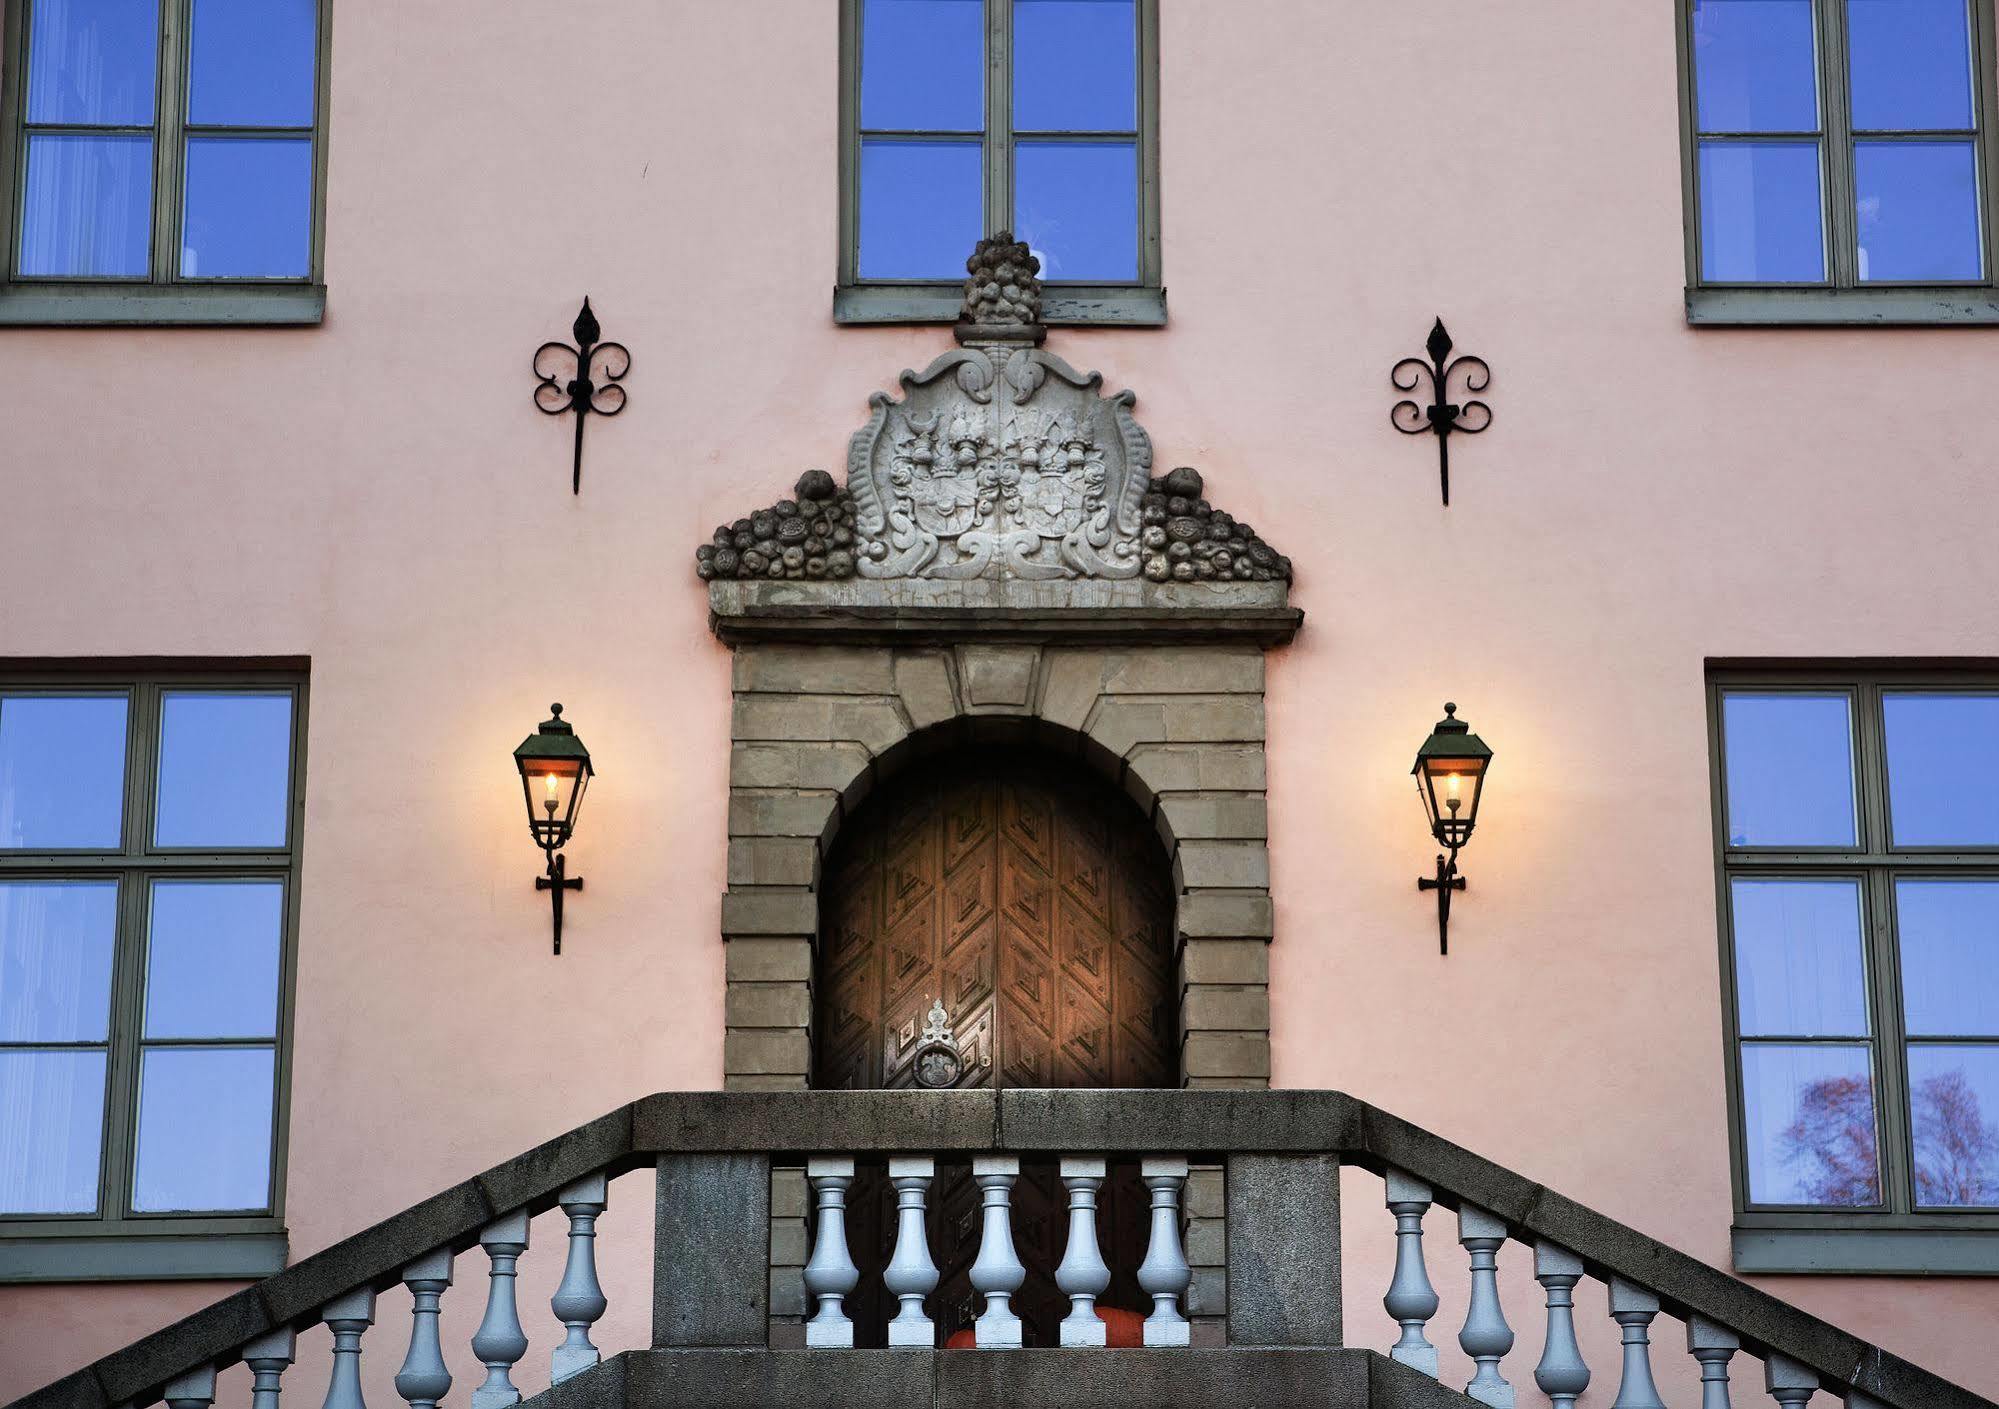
{"x": 1830, "y": 1144}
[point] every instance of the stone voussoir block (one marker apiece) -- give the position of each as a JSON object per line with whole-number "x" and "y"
{"x": 1226, "y": 1054}
{"x": 1184, "y": 670}
{"x": 1217, "y": 767}
{"x": 1232, "y": 1008}
{"x": 1071, "y": 680}
{"x": 875, "y": 722}
{"x": 773, "y": 861}
{"x": 998, "y": 677}
{"x": 1214, "y": 719}
{"x": 927, "y": 685}
{"x": 1224, "y": 915}
{"x": 763, "y": 910}
{"x": 1121, "y": 725}
{"x": 778, "y": 667}
{"x": 1221, "y": 865}
{"x": 1225, "y": 961}
{"x": 777, "y": 960}
{"x": 1213, "y": 816}
{"x": 754, "y": 1051}
{"x": 782, "y": 813}
{"x": 790, "y": 764}
{"x": 775, "y": 1005}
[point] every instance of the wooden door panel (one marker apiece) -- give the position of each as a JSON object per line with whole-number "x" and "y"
{"x": 1033, "y": 902}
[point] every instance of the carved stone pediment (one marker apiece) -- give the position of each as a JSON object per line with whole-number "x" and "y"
{"x": 999, "y": 461}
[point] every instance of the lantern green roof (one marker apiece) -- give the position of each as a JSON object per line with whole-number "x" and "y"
{"x": 1452, "y": 738}
{"x": 554, "y": 738}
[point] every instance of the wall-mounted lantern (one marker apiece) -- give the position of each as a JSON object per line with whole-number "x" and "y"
{"x": 555, "y": 769}
{"x": 1450, "y": 774}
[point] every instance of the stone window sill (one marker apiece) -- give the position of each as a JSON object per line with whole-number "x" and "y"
{"x": 1851, "y": 1251}
{"x": 1073, "y": 305}
{"x": 1941, "y": 306}
{"x": 25, "y": 305}
{"x": 143, "y": 1257}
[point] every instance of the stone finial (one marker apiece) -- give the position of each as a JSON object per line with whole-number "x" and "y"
{"x": 1002, "y": 292}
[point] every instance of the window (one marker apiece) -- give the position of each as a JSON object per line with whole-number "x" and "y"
{"x": 148, "y": 895}
{"x": 1838, "y": 160}
{"x": 1859, "y": 869}
{"x": 963, "y": 118}
{"x": 163, "y": 160}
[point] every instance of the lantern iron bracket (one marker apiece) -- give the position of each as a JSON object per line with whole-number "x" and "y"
{"x": 555, "y": 883}
{"x": 565, "y": 380}
{"x": 1447, "y": 880}
{"x": 1442, "y": 415}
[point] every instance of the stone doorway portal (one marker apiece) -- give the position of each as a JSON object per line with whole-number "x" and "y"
{"x": 996, "y": 918}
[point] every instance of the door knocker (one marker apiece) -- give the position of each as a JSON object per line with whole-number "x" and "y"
{"x": 937, "y": 1063}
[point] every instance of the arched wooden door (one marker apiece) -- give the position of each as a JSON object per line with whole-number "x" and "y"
{"x": 1029, "y": 899}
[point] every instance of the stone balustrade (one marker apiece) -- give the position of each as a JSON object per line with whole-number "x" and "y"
{"x": 1279, "y": 1154}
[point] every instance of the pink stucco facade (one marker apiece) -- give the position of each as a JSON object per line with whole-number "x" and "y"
{"x": 377, "y": 494}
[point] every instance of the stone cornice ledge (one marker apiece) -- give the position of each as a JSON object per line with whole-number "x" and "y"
{"x": 906, "y": 610}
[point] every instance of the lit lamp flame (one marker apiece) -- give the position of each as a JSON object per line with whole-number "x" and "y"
{"x": 550, "y": 801}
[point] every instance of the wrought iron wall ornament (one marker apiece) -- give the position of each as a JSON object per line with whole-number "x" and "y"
{"x": 568, "y": 380}
{"x": 1442, "y": 415}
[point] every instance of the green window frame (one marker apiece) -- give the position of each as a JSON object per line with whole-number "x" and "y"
{"x": 117, "y": 1242}
{"x": 1841, "y": 299}
{"x": 163, "y": 296}
{"x": 1893, "y": 1235}
{"x": 1141, "y": 303}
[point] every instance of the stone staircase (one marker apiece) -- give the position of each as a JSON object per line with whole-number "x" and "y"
{"x": 1269, "y": 1335}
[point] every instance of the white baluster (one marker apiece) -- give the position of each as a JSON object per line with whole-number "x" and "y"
{"x": 500, "y": 1342}
{"x": 1712, "y": 1345}
{"x": 911, "y": 1274}
{"x": 1083, "y": 1275}
{"x": 1164, "y": 1275}
{"x": 830, "y": 1272}
{"x": 1411, "y": 1300}
{"x": 1486, "y": 1337}
{"x": 997, "y": 1271}
{"x": 347, "y": 1317}
{"x": 1562, "y": 1375}
{"x": 193, "y": 1390}
{"x": 578, "y": 1299}
{"x": 267, "y": 1356}
{"x": 1632, "y": 1308}
{"x": 1790, "y": 1384}
{"x": 424, "y": 1378}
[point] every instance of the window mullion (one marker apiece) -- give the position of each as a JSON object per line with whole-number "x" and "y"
{"x": 1836, "y": 140}
{"x": 169, "y": 117}
{"x": 999, "y": 116}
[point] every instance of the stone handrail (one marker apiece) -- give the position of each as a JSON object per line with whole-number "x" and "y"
{"x": 714, "y": 1151}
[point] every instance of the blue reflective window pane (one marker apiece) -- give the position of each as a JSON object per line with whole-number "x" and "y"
{"x": 1075, "y": 66}
{"x": 1954, "y": 1116}
{"x": 212, "y": 957}
{"x": 1917, "y": 207}
{"x": 62, "y": 771}
{"x": 922, "y": 209}
{"x": 1761, "y": 218}
{"x": 1755, "y": 66}
{"x": 1789, "y": 769}
{"x": 225, "y": 769}
{"x": 93, "y": 61}
{"x": 923, "y": 66}
{"x": 1949, "y": 934}
{"x": 51, "y": 1128}
{"x": 1933, "y": 798}
{"x": 1076, "y": 205}
{"x": 250, "y": 63}
{"x": 56, "y": 944}
{"x": 1799, "y": 970}
{"x": 249, "y": 208}
{"x": 1808, "y": 1125}
{"x": 1911, "y": 64}
{"x": 204, "y": 1129}
{"x": 87, "y": 207}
